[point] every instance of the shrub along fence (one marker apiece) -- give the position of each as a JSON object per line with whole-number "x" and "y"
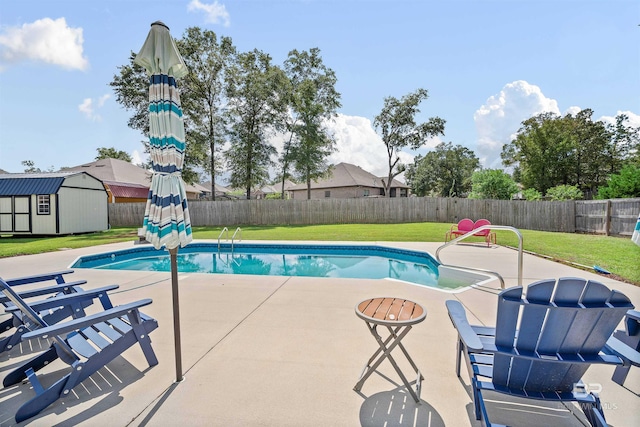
{"x": 616, "y": 217}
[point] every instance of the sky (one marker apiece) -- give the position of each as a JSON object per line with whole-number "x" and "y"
{"x": 486, "y": 64}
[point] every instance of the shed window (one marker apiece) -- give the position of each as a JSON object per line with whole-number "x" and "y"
{"x": 44, "y": 204}
{"x": 327, "y": 193}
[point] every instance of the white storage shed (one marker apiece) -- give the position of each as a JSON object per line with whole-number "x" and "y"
{"x": 52, "y": 204}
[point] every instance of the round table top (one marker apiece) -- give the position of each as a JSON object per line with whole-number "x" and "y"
{"x": 391, "y": 311}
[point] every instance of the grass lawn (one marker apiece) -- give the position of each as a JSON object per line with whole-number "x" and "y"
{"x": 617, "y": 255}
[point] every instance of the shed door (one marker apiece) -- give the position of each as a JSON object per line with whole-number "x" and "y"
{"x": 14, "y": 214}
{"x": 6, "y": 215}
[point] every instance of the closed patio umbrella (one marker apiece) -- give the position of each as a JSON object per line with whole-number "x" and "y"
{"x": 636, "y": 233}
{"x": 166, "y": 218}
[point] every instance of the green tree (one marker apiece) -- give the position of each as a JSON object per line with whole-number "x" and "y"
{"x": 531, "y": 194}
{"x": 397, "y": 125}
{"x": 626, "y": 141}
{"x": 30, "y": 167}
{"x": 564, "y": 192}
{"x": 113, "y": 153}
{"x": 595, "y": 153}
{"x": 446, "y": 171}
{"x": 313, "y": 99}
{"x": 257, "y": 102}
{"x": 203, "y": 96}
{"x": 624, "y": 184}
{"x": 492, "y": 184}
{"x": 131, "y": 86}
{"x": 539, "y": 153}
{"x": 550, "y": 150}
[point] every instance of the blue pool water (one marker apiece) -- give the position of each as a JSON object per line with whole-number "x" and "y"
{"x": 338, "y": 261}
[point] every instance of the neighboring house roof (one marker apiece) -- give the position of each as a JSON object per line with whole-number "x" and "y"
{"x": 115, "y": 170}
{"x": 26, "y": 184}
{"x": 219, "y": 188}
{"x": 270, "y": 189}
{"x": 348, "y": 175}
{"x": 199, "y": 187}
{"x": 122, "y": 172}
{"x": 129, "y": 191}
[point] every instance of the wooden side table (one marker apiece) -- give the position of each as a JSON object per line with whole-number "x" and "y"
{"x": 398, "y": 316}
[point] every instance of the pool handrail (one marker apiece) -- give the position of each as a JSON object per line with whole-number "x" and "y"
{"x": 224, "y": 230}
{"x": 234, "y": 237}
{"x": 471, "y": 233}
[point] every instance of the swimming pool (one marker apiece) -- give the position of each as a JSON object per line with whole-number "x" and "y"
{"x": 334, "y": 261}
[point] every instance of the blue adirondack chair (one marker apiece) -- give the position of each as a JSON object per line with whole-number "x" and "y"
{"x": 86, "y": 344}
{"x": 631, "y": 337}
{"x": 65, "y": 308}
{"x": 565, "y": 325}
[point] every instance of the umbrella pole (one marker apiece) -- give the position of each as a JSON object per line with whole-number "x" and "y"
{"x": 176, "y": 312}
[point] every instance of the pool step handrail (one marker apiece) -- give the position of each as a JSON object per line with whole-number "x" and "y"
{"x": 474, "y": 231}
{"x": 224, "y": 230}
{"x": 233, "y": 238}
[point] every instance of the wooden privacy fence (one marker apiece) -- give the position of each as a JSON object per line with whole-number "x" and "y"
{"x": 617, "y": 217}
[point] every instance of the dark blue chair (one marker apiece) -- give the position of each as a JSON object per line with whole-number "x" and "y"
{"x": 543, "y": 343}
{"x": 31, "y": 289}
{"x": 86, "y": 344}
{"x": 631, "y": 337}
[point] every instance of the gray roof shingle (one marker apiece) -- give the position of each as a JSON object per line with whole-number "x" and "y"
{"x": 348, "y": 175}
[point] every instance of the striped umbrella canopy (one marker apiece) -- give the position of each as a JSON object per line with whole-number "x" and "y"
{"x": 166, "y": 218}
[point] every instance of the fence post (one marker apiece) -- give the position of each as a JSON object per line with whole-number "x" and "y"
{"x": 607, "y": 218}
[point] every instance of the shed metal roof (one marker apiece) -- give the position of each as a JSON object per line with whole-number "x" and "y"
{"x": 26, "y": 184}
{"x": 29, "y": 186}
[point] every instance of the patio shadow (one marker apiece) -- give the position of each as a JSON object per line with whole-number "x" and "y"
{"x": 102, "y": 389}
{"x": 397, "y": 408}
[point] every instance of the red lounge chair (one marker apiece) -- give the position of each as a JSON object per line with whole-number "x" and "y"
{"x": 488, "y": 235}
{"x": 464, "y": 226}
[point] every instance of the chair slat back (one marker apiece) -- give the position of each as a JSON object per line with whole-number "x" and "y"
{"x": 63, "y": 349}
{"x": 563, "y": 320}
{"x": 21, "y": 305}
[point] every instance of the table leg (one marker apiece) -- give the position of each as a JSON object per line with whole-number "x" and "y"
{"x": 385, "y": 347}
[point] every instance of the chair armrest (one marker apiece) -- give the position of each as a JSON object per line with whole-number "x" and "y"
{"x": 66, "y": 299}
{"x": 624, "y": 351}
{"x": 632, "y": 322}
{"x": 633, "y": 314}
{"x": 37, "y": 278}
{"x": 83, "y": 322}
{"x": 458, "y": 317}
{"x": 45, "y": 291}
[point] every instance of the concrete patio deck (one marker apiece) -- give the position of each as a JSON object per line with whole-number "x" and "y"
{"x": 287, "y": 351}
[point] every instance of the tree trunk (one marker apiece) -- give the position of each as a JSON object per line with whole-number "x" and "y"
{"x": 212, "y": 147}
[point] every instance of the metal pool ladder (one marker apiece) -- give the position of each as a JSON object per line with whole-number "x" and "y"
{"x": 225, "y": 232}
{"x": 474, "y": 231}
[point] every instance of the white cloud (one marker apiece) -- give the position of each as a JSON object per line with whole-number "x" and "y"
{"x": 139, "y": 159}
{"x": 88, "y": 107}
{"x": 214, "y": 13}
{"x": 358, "y": 143}
{"x": 498, "y": 120}
{"x": 45, "y": 40}
{"x": 633, "y": 119}
{"x": 572, "y": 110}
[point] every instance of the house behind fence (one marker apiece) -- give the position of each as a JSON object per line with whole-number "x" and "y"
{"x": 610, "y": 217}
